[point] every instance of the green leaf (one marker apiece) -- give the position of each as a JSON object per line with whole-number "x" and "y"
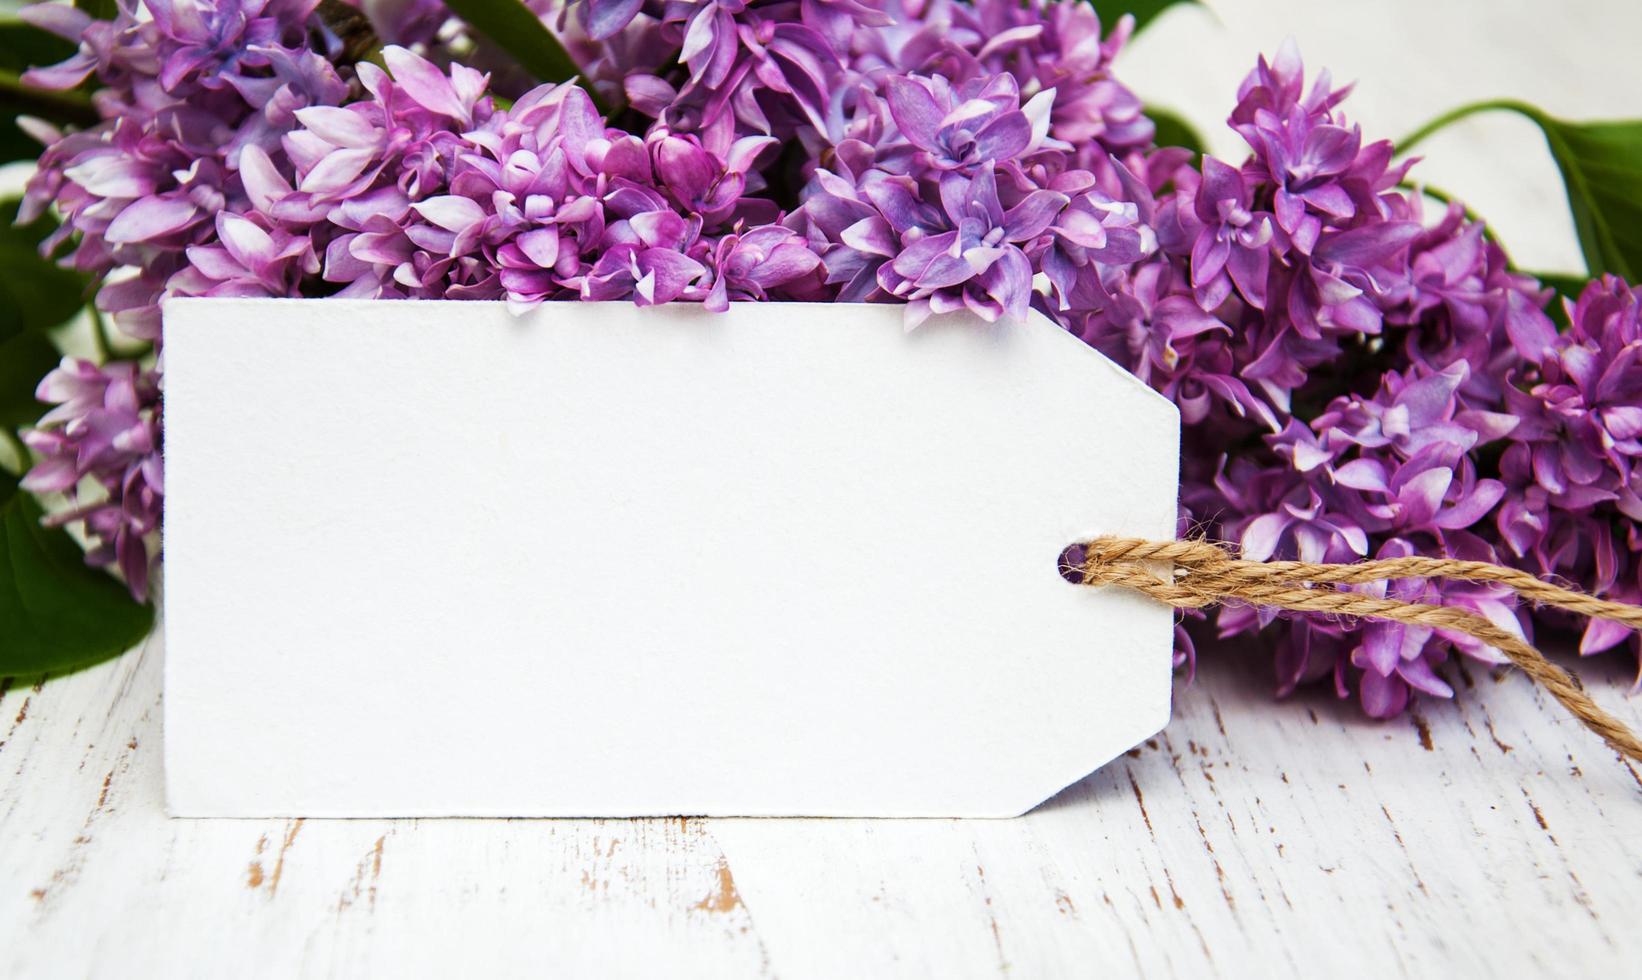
{"x": 1173, "y": 130}
{"x": 1145, "y": 11}
{"x": 511, "y": 26}
{"x": 35, "y": 294}
{"x": 23, "y": 46}
{"x": 1601, "y": 164}
{"x": 56, "y": 612}
{"x": 25, "y": 358}
{"x": 99, "y": 9}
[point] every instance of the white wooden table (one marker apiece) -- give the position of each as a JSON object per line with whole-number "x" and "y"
{"x": 1480, "y": 837}
{"x": 1488, "y": 836}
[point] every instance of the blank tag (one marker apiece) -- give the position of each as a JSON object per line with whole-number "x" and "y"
{"x": 429, "y": 558}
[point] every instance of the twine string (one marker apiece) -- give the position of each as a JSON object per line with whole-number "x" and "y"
{"x": 1202, "y": 573}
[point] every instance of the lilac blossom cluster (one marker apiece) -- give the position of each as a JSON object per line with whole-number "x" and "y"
{"x": 1355, "y": 379}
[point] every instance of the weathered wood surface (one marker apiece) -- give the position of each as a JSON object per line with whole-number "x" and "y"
{"x": 1485, "y": 836}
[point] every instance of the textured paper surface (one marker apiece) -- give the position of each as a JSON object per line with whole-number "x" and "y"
{"x": 433, "y": 559}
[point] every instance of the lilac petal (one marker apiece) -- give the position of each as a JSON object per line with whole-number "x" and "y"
{"x": 1037, "y": 112}
{"x": 930, "y": 264}
{"x": 53, "y": 474}
{"x": 423, "y": 82}
{"x": 252, "y": 247}
{"x": 1600, "y": 634}
{"x": 451, "y": 212}
{"x": 182, "y": 63}
{"x": 1354, "y": 537}
{"x": 1250, "y": 269}
{"x": 1362, "y": 474}
{"x": 1489, "y": 426}
{"x": 1221, "y": 182}
{"x": 340, "y": 263}
{"x": 982, "y": 193}
{"x": 718, "y": 298}
{"x": 1416, "y": 670}
{"x": 1331, "y": 149}
{"x": 699, "y": 35}
{"x": 1081, "y": 228}
{"x": 148, "y": 218}
{"x": 1623, "y": 421}
{"x": 606, "y": 18}
{"x": 64, "y": 20}
{"x": 1003, "y": 138}
{"x": 1422, "y": 495}
{"x": 336, "y": 170}
{"x": 898, "y": 203}
{"x": 1383, "y": 696}
{"x": 1009, "y": 281}
{"x": 745, "y": 152}
{"x": 916, "y": 312}
{"x": 915, "y": 111}
{"x": 580, "y": 122}
{"x": 264, "y": 184}
{"x": 1209, "y": 255}
{"x": 1033, "y": 215}
{"x": 1531, "y": 332}
{"x": 215, "y": 263}
{"x": 383, "y": 248}
{"x": 673, "y": 271}
{"x": 1261, "y": 537}
{"x": 870, "y": 235}
{"x": 659, "y": 228}
{"x": 113, "y": 176}
{"x": 1473, "y": 507}
{"x": 1331, "y": 199}
{"x": 1185, "y": 318}
{"x": 983, "y": 305}
{"x": 1581, "y": 364}
{"x": 786, "y": 263}
{"x": 63, "y": 75}
{"x": 1428, "y": 399}
{"x": 981, "y": 257}
{"x": 133, "y": 559}
{"x": 337, "y": 126}
{"x": 1383, "y": 646}
{"x": 1369, "y": 244}
{"x": 649, "y": 94}
{"x": 687, "y": 169}
{"x": 541, "y": 246}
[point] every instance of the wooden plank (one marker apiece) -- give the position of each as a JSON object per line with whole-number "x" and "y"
{"x": 1490, "y": 833}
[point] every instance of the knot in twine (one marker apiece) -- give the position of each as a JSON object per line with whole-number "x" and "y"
{"x": 1204, "y": 574}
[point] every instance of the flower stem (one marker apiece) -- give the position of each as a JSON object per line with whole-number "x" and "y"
{"x": 1446, "y": 198}
{"x": 1455, "y": 115}
{"x": 99, "y": 334}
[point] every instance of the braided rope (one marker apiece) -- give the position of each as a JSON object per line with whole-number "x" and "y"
{"x": 1205, "y": 574}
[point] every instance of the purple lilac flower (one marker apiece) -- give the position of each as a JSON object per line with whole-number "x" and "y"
{"x": 1355, "y": 378}
{"x": 979, "y": 122}
{"x": 100, "y": 446}
{"x": 752, "y": 265}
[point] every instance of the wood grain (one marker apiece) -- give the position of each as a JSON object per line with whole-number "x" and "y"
{"x": 1486, "y": 835}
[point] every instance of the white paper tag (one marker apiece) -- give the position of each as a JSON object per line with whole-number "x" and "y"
{"x": 429, "y": 558}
